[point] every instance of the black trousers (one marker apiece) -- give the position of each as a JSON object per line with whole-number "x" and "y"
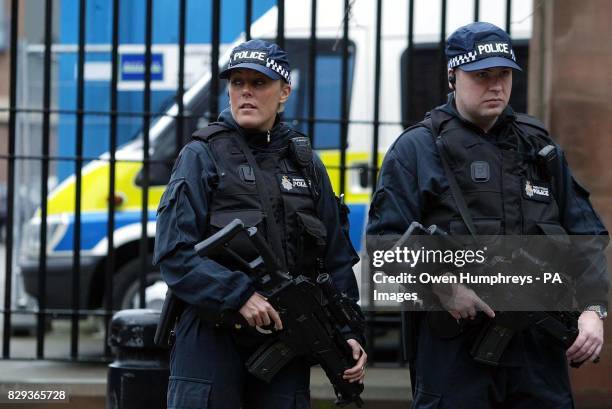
{"x": 535, "y": 374}
{"x": 207, "y": 372}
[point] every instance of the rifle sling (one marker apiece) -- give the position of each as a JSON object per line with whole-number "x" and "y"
{"x": 266, "y": 202}
{"x": 435, "y": 124}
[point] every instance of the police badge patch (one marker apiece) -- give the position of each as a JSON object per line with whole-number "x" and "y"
{"x": 293, "y": 184}
{"x": 538, "y": 191}
{"x": 286, "y": 183}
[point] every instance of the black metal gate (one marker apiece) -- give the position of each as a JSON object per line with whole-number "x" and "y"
{"x": 423, "y": 82}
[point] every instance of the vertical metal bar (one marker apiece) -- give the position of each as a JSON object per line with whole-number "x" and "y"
{"x": 146, "y": 123}
{"x": 312, "y": 70}
{"x": 110, "y": 260}
{"x": 476, "y": 10}
{"x": 76, "y": 244}
{"x": 410, "y": 66}
{"x": 540, "y": 107}
{"x": 214, "y": 68}
{"x": 280, "y": 26}
{"x": 46, "y": 133}
{"x": 8, "y": 266}
{"x": 375, "y": 142}
{"x": 248, "y": 17}
{"x": 410, "y": 98}
{"x": 508, "y": 16}
{"x": 442, "y": 57}
{"x": 374, "y": 166}
{"x": 344, "y": 97}
{"x": 181, "y": 78}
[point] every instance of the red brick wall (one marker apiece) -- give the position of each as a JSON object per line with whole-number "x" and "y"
{"x": 571, "y": 89}
{"x": 4, "y": 94}
{"x": 5, "y": 57}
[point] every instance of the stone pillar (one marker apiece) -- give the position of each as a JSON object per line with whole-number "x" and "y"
{"x": 571, "y": 90}
{"x": 4, "y": 91}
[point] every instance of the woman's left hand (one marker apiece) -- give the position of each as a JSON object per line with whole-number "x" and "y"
{"x": 357, "y": 372}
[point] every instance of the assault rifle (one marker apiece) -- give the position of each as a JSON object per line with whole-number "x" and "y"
{"x": 496, "y": 333}
{"x": 313, "y": 313}
{"x": 493, "y": 338}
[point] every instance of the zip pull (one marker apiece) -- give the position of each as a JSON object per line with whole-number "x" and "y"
{"x": 268, "y": 136}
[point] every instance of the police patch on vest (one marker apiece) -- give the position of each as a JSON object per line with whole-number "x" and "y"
{"x": 538, "y": 191}
{"x": 293, "y": 184}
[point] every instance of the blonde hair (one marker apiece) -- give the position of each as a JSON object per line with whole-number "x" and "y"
{"x": 281, "y": 105}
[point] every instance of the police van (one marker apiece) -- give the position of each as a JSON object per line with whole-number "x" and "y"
{"x": 401, "y": 102}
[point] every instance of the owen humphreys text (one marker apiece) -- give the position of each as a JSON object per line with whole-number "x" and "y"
{"x": 406, "y": 258}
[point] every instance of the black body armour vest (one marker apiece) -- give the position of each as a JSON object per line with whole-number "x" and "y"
{"x": 235, "y": 195}
{"x": 508, "y": 190}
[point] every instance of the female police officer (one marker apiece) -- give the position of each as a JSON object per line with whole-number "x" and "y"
{"x": 244, "y": 166}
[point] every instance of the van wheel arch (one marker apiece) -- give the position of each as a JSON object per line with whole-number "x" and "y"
{"x": 126, "y": 286}
{"x": 128, "y": 254}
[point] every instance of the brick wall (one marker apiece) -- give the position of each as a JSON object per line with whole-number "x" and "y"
{"x": 571, "y": 90}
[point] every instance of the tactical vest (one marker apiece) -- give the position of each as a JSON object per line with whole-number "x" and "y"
{"x": 507, "y": 190}
{"x": 292, "y": 202}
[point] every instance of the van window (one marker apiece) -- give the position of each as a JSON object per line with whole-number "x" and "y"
{"x": 328, "y": 67}
{"x": 429, "y": 82}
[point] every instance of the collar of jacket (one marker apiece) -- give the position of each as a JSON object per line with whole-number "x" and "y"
{"x": 279, "y": 134}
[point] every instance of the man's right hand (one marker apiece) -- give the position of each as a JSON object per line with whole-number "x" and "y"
{"x": 461, "y": 301}
{"x": 258, "y": 312}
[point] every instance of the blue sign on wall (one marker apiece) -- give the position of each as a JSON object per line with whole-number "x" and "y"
{"x": 133, "y": 67}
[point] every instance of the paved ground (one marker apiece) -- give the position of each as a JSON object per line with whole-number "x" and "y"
{"x": 57, "y": 342}
{"x": 85, "y": 384}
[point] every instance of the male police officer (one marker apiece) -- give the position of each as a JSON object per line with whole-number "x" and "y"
{"x": 492, "y": 154}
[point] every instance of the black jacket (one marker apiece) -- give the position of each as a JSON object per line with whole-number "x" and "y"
{"x": 182, "y": 222}
{"x": 412, "y": 182}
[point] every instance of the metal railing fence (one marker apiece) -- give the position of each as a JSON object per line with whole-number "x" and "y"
{"x": 378, "y": 323}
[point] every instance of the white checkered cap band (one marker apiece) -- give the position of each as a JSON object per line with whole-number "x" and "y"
{"x": 462, "y": 59}
{"x": 270, "y": 63}
{"x": 483, "y": 50}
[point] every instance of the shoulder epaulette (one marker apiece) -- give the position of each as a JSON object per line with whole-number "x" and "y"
{"x": 295, "y": 131}
{"x": 205, "y": 134}
{"x": 531, "y": 121}
{"x": 425, "y": 123}
{"x": 433, "y": 121}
